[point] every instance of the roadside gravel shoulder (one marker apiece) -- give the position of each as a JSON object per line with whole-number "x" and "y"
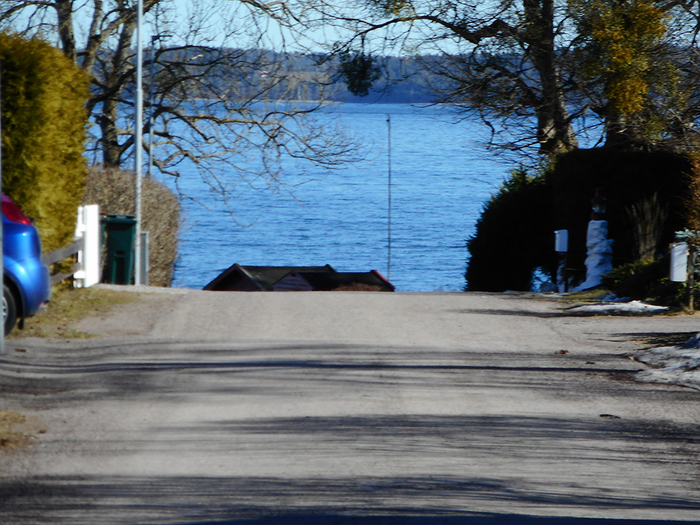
{"x": 134, "y": 318}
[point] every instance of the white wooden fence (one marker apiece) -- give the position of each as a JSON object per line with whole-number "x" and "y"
{"x": 85, "y": 250}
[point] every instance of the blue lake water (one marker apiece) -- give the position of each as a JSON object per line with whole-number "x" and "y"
{"x": 441, "y": 177}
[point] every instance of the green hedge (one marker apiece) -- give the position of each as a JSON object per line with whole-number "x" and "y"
{"x": 646, "y": 281}
{"x": 513, "y": 236}
{"x": 43, "y": 133}
{"x": 626, "y": 178}
{"x": 515, "y": 233}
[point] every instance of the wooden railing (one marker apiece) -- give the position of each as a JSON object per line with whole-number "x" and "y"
{"x": 51, "y": 258}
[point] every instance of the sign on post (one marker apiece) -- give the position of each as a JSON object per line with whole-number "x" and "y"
{"x": 561, "y": 246}
{"x": 679, "y": 262}
{"x": 561, "y": 241}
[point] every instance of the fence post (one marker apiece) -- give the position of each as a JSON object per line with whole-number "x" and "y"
{"x": 691, "y": 276}
{"x": 145, "y": 268}
{"x": 89, "y": 228}
{"x": 561, "y": 246}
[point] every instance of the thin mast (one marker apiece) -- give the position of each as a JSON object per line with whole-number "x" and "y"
{"x": 388, "y": 269}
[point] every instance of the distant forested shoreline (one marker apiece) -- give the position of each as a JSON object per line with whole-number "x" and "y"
{"x": 402, "y": 81}
{"x": 316, "y": 77}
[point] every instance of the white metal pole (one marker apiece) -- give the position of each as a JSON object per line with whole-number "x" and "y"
{"x": 138, "y": 140}
{"x": 388, "y": 270}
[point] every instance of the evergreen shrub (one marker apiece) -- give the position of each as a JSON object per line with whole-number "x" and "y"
{"x": 115, "y": 191}
{"x": 644, "y": 281}
{"x": 692, "y": 203}
{"x": 43, "y": 133}
{"x": 513, "y": 236}
{"x": 515, "y": 233}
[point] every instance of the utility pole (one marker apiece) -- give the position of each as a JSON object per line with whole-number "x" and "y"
{"x": 138, "y": 138}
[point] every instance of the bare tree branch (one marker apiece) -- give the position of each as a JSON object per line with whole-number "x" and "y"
{"x": 226, "y": 94}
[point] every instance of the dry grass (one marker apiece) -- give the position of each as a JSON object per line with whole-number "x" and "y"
{"x": 16, "y": 430}
{"x": 646, "y": 219}
{"x": 592, "y": 295}
{"x": 68, "y": 306}
{"x": 9, "y": 436}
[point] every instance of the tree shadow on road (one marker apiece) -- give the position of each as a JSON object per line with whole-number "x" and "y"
{"x": 437, "y": 468}
{"x": 327, "y": 501}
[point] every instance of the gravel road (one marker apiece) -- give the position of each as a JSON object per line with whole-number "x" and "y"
{"x": 203, "y": 407}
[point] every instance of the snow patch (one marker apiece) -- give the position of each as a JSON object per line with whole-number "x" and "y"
{"x": 677, "y": 365}
{"x": 632, "y": 307}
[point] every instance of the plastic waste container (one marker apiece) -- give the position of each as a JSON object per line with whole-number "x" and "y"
{"x": 119, "y": 232}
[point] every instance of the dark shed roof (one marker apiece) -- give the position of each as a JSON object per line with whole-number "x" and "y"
{"x": 239, "y": 278}
{"x": 368, "y": 281}
{"x": 258, "y": 278}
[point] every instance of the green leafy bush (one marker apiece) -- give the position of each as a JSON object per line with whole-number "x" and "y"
{"x": 634, "y": 280}
{"x": 646, "y": 281}
{"x": 44, "y": 122}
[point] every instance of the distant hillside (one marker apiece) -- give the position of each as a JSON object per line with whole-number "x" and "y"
{"x": 305, "y": 77}
{"x": 402, "y": 81}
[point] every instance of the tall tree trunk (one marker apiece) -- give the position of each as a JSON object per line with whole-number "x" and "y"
{"x": 121, "y": 67}
{"x": 621, "y": 131}
{"x": 111, "y": 151}
{"x": 64, "y": 13}
{"x": 554, "y": 131}
{"x": 94, "y": 39}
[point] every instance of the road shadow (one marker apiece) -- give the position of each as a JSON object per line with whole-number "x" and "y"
{"x": 514, "y": 313}
{"x": 657, "y": 339}
{"x": 561, "y": 313}
{"x": 496, "y": 519}
{"x": 328, "y": 501}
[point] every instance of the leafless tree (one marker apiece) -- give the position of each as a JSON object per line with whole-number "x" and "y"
{"x": 501, "y": 59}
{"x": 515, "y": 63}
{"x": 225, "y": 90}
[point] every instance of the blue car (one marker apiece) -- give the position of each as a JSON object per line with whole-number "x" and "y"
{"x": 26, "y": 287}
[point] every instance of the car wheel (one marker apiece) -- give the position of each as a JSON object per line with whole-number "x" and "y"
{"x": 9, "y": 309}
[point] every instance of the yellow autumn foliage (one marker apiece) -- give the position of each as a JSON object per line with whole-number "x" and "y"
{"x": 44, "y": 129}
{"x": 622, "y": 37}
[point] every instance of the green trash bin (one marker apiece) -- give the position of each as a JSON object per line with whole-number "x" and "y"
{"x": 119, "y": 233}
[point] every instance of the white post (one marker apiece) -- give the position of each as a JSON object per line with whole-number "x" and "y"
{"x": 138, "y": 140}
{"x": 561, "y": 246}
{"x": 145, "y": 242}
{"x": 89, "y": 229}
{"x": 561, "y": 241}
{"x": 679, "y": 262}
